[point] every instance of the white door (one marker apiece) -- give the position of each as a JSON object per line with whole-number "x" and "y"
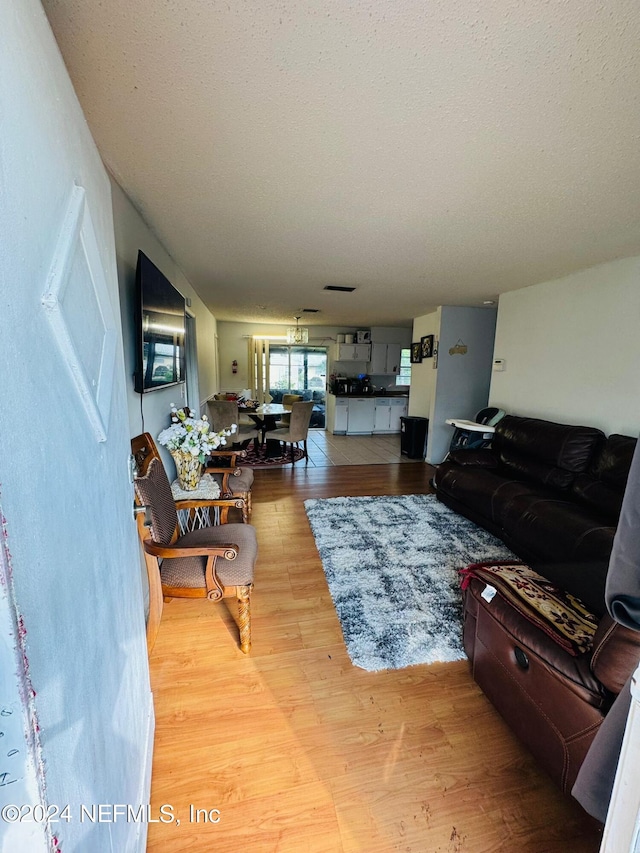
{"x": 71, "y": 550}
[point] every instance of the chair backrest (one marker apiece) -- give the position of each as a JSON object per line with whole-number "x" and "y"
{"x": 489, "y": 416}
{"x": 222, "y": 414}
{"x": 300, "y": 420}
{"x": 289, "y": 399}
{"x": 153, "y": 490}
{"x": 144, "y": 449}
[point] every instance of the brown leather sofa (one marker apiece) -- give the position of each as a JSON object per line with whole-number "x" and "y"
{"x": 552, "y": 492}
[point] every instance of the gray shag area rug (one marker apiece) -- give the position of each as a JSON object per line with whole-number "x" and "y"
{"x": 392, "y": 567}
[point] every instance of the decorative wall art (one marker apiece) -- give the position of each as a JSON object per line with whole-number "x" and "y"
{"x": 426, "y": 345}
{"x": 416, "y": 353}
{"x": 459, "y": 349}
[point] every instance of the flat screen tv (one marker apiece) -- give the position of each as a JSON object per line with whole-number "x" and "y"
{"x": 160, "y": 324}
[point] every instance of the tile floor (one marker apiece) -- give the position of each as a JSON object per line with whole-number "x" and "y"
{"x": 326, "y": 449}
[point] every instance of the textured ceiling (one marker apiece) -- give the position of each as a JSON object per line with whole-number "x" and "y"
{"x": 426, "y": 153}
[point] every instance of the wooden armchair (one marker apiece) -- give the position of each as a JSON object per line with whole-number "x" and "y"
{"x": 213, "y": 562}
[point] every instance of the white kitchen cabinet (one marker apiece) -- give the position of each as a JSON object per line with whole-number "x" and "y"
{"x": 340, "y": 416}
{"x": 352, "y": 352}
{"x": 385, "y": 359}
{"x": 399, "y": 409}
{"x": 365, "y": 415}
{"x": 360, "y": 417}
{"x": 388, "y": 411}
{"x": 382, "y": 414}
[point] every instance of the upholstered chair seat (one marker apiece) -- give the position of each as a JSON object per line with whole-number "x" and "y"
{"x": 189, "y": 572}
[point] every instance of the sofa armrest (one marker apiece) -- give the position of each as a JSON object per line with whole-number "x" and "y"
{"x": 483, "y": 458}
{"x": 615, "y": 654}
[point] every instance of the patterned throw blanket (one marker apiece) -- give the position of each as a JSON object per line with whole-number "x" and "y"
{"x": 559, "y": 614}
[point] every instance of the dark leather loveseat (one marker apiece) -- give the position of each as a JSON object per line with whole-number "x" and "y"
{"x": 553, "y": 493}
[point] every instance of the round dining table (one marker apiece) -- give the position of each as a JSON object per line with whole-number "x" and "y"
{"x": 265, "y": 416}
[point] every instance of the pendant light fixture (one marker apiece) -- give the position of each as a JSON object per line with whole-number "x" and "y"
{"x": 297, "y": 334}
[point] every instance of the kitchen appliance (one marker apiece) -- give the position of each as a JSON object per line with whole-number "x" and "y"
{"x": 355, "y": 386}
{"x": 341, "y": 385}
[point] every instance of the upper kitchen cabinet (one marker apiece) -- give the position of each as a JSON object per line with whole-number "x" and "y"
{"x": 385, "y": 359}
{"x": 352, "y": 352}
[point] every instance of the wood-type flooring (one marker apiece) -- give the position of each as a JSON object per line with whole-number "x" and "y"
{"x": 294, "y": 750}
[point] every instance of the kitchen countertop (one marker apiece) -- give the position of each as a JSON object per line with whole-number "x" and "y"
{"x": 373, "y": 396}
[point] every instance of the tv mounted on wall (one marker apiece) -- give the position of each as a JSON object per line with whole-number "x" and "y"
{"x": 160, "y": 326}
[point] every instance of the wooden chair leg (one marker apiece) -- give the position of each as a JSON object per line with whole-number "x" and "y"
{"x": 245, "y": 510}
{"x": 243, "y": 594}
{"x": 156, "y": 602}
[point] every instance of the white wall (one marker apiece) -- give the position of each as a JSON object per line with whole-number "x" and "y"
{"x": 571, "y": 349}
{"x": 132, "y": 233}
{"x": 66, "y": 496}
{"x": 423, "y": 375}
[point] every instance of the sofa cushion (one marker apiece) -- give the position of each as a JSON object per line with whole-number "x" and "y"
{"x": 602, "y": 487}
{"x": 557, "y": 530}
{"x": 512, "y": 496}
{"x": 483, "y": 458}
{"x": 543, "y": 451}
{"x": 483, "y": 489}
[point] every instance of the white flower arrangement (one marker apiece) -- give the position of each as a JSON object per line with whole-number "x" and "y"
{"x": 193, "y": 435}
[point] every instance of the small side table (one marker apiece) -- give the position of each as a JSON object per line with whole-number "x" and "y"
{"x": 201, "y": 516}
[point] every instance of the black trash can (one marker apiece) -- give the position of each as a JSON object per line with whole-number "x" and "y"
{"x": 413, "y": 437}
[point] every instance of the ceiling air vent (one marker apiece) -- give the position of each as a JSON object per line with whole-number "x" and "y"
{"x": 310, "y": 310}
{"x": 340, "y": 288}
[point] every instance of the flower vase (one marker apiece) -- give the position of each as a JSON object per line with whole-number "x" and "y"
{"x": 188, "y": 469}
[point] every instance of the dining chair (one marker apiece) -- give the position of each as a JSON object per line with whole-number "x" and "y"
{"x": 297, "y": 430}
{"x": 224, "y": 413}
{"x": 287, "y": 401}
{"x": 213, "y": 562}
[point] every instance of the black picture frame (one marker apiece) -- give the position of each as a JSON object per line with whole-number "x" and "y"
{"x": 416, "y": 353}
{"x": 426, "y": 346}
